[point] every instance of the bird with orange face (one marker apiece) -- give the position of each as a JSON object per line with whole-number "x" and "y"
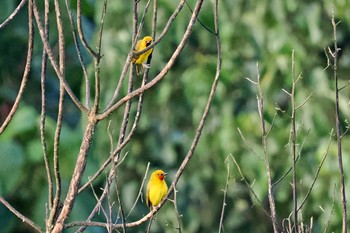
{"x": 156, "y": 188}
{"x": 139, "y": 60}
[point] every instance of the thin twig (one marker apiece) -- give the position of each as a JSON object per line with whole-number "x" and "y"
{"x": 139, "y": 195}
{"x": 13, "y": 14}
{"x": 248, "y": 146}
{"x": 59, "y": 120}
{"x": 293, "y": 137}
{"x": 154, "y": 19}
{"x": 117, "y": 190}
{"x": 81, "y": 33}
{"x": 18, "y": 214}
{"x": 317, "y": 172}
{"x": 260, "y": 100}
{"x": 26, "y": 69}
{"x": 200, "y": 21}
{"x": 80, "y": 57}
{"x": 221, "y": 226}
{"x": 98, "y": 60}
{"x": 43, "y": 109}
{"x": 338, "y": 127}
{"x": 178, "y": 216}
{"x": 290, "y": 169}
{"x": 327, "y": 223}
{"x": 303, "y": 103}
{"x": 100, "y": 204}
{"x": 249, "y": 186}
{"x": 104, "y": 194}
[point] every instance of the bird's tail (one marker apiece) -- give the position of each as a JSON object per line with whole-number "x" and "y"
{"x": 139, "y": 69}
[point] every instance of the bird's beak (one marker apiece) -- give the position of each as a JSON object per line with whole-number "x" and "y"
{"x": 165, "y": 174}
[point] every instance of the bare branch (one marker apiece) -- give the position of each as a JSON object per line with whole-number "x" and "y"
{"x": 43, "y": 109}
{"x": 290, "y": 169}
{"x": 59, "y": 121}
{"x": 332, "y": 212}
{"x": 221, "y": 227}
{"x": 98, "y": 58}
{"x": 19, "y": 215}
{"x": 26, "y": 69}
{"x": 139, "y": 195}
{"x": 81, "y": 33}
{"x": 249, "y": 186}
{"x": 317, "y": 172}
{"x": 303, "y": 103}
{"x": 13, "y": 14}
{"x": 246, "y": 143}
{"x": 260, "y": 100}
{"x": 293, "y": 137}
{"x": 338, "y": 127}
{"x": 80, "y": 57}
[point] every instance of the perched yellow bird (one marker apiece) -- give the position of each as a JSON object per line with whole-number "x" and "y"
{"x": 156, "y": 188}
{"x": 140, "y": 59}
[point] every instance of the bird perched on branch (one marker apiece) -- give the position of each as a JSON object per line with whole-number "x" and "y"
{"x": 156, "y": 188}
{"x": 139, "y": 60}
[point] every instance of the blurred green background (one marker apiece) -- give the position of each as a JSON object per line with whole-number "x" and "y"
{"x": 263, "y": 32}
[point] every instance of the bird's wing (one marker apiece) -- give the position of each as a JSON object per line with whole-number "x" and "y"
{"x": 148, "y": 202}
{"x": 138, "y": 46}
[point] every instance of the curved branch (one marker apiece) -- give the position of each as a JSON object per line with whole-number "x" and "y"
{"x": 80, "y": 57}
{"x": 43, "y": 108}
{"x": 20, "y": 216}
{"x": 26, "y": 69}
{"x": 81, "y": 33}
{"x": 13, "y": 14}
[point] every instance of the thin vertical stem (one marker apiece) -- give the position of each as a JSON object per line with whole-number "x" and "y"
{"x": 338, "y": 127}
{"x": 293, "y": 141}
{"x": 59, "y": 121}
{"x": 221, "y": 227}
{"x": 260, "y": 99}
{"x": 80, "y": 57}
{"x": 43, "y": 107}
{"x": 98, "y": 59}
{"x": 81, "y": 33}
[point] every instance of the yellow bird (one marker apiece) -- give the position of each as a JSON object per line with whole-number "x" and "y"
{"x": 140, "y": 59}
{"x": 156, "y": 188}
